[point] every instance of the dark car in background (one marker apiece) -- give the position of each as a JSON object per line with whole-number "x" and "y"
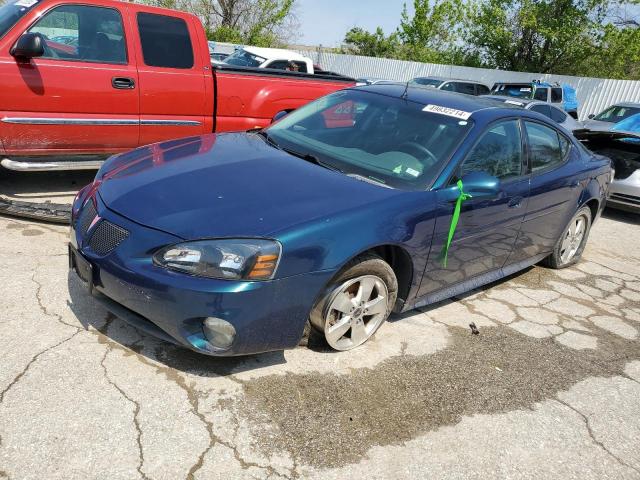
{"x": 468, "y": 87}
{"x": 340, "y": 213}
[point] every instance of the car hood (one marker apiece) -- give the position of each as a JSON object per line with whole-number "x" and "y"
{"x": 226, "y": 185}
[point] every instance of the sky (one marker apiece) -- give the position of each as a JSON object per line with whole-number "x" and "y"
{"x": 326, "y": 21}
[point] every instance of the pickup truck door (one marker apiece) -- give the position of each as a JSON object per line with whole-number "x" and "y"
{"x": 176, "y": 96}
{"x": 81, "y": 96}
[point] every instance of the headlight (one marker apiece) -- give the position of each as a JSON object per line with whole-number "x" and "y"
{"x": 242, "y": 259}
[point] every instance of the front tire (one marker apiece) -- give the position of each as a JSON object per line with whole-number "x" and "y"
{"x": 356, "y": 303}
{"x": 571, "y": 243}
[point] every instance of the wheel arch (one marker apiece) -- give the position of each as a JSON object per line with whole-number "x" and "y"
{"x": 398, "y": 259}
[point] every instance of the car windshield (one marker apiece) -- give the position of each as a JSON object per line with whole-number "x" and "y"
{"x": 13, "y": 11}
{"x": 524, "y": 90}
{"x": 379, "y": 138}
{"x": 242, "y": 58}
{"x": 616, "y": 114}
{"x": 427, "y": 82}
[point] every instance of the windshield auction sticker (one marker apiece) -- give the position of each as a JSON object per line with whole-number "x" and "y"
{"x": 450, "y": 112}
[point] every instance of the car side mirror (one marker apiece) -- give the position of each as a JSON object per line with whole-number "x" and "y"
{"x": 29, "y": 45}
{"x": 279, "y": 116}
{"x": 591, "y": 116}
{"x": 481, "y": 185}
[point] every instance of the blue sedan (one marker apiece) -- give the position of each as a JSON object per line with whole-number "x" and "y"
{"x": 368, "y": 201}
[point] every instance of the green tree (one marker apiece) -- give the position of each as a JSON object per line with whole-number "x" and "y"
{"x": 360, "y": 42}
{"x": 536, "y": 35}
{"x": 433, "y": 33}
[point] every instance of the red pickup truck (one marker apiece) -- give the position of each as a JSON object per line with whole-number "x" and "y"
{"x": 81, "y": 80}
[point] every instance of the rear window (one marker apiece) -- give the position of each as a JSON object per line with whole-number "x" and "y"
{"x": 165, "y": 41}
{"x": 427, "y": 82}
{"x": 242, "y": 58}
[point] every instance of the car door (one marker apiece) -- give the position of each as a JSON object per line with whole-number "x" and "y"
{"x": 554, "y": 189}
{"x": 81, "y": 96}
{"x": 175, "y": 83}
{"x": 488, "y": 227}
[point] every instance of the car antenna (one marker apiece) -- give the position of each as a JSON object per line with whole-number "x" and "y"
{"x": 405, "y": 94}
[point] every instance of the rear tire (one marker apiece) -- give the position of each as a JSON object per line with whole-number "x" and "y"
{"x": 571, "y": 243}
{"x": 356, "y": 303}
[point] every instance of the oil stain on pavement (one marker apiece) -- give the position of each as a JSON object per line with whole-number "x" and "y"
{"x": 333, "y": 420}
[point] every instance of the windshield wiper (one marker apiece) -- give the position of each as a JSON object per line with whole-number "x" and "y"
{"x": 313, "y": 159}
{"x": 269, "y": 139}
{"x": 373, "y": 180}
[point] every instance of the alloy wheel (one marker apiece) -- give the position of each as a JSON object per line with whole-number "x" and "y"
{"x": 355, "y": 311}
{"x": 573, "y": 239}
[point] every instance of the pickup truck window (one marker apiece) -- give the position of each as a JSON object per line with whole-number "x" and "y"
{"x": 13, "y": 11}
{"x": 165, "y": 41}
{"x": 91, "y": 34}
{"x": 556, "y": 94}
{"x": 541, "y": 94}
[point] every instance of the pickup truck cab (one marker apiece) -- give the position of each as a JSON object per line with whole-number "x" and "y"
{"x": 564, "y": 96}
{"x": 275, "y": 58}
{"x": 127, "y": 75}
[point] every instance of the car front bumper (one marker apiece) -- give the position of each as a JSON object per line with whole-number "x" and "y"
{"x": 624, "y": 194}
{"x": 267, "y": 316}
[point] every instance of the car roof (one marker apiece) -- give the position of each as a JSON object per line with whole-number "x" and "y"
{"x": 449, "y": 79}
{"x": 433, "y": 96}
{"x": 276, "y": 53}
{"x": 626, "y": 104}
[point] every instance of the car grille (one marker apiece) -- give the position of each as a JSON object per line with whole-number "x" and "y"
{"x": 106, "y": 237}
{"x": 631, "y": 199}
{"x": 86, "y": 217}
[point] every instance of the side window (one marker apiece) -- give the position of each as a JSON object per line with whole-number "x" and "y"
{"x": 556, "y": 94}
{"x": 558, "y": 115}
{"x": 83, "y": 33}
{"x": 468, "y": 88}
{"x": 541, "y": 94}
{"x": 302, "y": 66}
{"x": 543, "y": 109}
{"x": 482, "y": 90}
{"x": 498, "y": 153}
{"x": 278, "y": 65}
{"x": 449, "y": 87}
{"x": 165, "y": 41}
{"x": 548, "y": 148}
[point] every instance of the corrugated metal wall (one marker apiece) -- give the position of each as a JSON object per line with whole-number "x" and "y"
{"x": 594, "y": 94}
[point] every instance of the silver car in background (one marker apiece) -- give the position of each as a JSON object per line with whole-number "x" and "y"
{"x": 621, "y": 144}
{"x": 546, "y": 109}
{"x": 468, "y": 87}
{"x": 612, "y": 115}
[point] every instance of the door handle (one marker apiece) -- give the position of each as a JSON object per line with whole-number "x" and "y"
{"x": 123, "y": 83}
{"x": 515, "y": 202}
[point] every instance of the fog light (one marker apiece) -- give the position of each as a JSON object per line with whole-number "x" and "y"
{"x": 219, "y": 332}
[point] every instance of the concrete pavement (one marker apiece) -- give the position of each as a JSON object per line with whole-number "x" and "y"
{"x": 549, "y": 389}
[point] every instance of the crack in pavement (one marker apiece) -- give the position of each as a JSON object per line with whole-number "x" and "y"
{"x": 136, "y": 411}
{"x": 41, "y": 304}
{"x": 192, "y": 396}
{"x": 594, "y": 439}
{"x": 31, "y": 362}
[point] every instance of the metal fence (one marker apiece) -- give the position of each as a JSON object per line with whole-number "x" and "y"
{"x": 594, "y": 94}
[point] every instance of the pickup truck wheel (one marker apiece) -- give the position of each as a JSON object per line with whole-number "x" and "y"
{"x": 356, "y": 303}
{"x": 571, "y": 243}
